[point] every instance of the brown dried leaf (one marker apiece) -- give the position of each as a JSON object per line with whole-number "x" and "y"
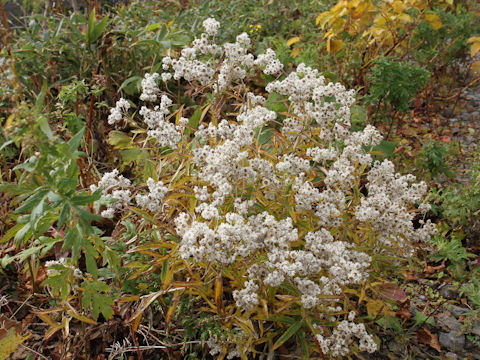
{"x": 432, "y": 269}
{"x": 426, "y": 337}
{"x": 390, "y": 291}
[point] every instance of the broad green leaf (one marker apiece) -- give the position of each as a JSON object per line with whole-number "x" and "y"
{"x": 119, "y": 139}
{"x": 131, "y": 85}
{"x": 197, "y": 117}
{"x": 98, "y": 29}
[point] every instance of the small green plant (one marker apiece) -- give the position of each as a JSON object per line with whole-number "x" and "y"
{"x": 433, "y": 158}
{"x": 395, "y": 83}
{"x": 459, "y": 205}
{"x": 453, "y": 251}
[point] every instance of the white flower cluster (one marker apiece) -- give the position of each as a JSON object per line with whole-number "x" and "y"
{"x": 211, "y": 26}
{"x": 389, "y": 193}
{"x": 219, "y": 66}
{"x": 116, "y": 188}
{"x": 149, "y": 86}
{"x": 316, "y": 168}
{"x": 152, "y": 201}
{"x": 117, "y": 113}
{"x": 338, "y": 344}
{"x": 165, "y": 132}
{"x": 270, "y": 64}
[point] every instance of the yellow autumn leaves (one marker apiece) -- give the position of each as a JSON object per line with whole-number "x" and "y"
{"x": 474, "y": 50}
{"x": 378, "y": 24}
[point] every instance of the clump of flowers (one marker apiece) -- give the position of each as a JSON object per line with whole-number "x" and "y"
{"x": 290, "y": 205}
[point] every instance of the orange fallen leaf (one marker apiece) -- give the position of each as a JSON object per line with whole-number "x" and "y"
{"x": 426, "y": 337}
{"x": 432, "y": 269}
{"x": 404, "y": 313}
{"x": 445, "y": 139}
{"x": 410, "y": 276}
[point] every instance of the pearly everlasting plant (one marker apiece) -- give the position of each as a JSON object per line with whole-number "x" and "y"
{"x": 279, "y": 205}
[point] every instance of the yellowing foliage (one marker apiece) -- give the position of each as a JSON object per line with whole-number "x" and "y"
{"x": 10, "y": 337}
{"x": 474, "y": 50}
{"x": 377, "y": 24}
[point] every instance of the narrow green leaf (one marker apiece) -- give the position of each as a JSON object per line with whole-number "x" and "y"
{"x": 153, "y": 27}
{"x": 11, "y": 233}
{"x": 32, "y": 201}
{"x": 303, "y": 344}
{"x": 86, "y": 199}
{"x": 288, "y": 334}
{"x": 86, "y": 215}
{"x": 64, "y": 215}
{"x": 75, "y": 141}
{"x": 90, "y": 27}
{"x": 25, "y": 254}
{"x": 143, "y": 213}
{"x": 162, "y": 33}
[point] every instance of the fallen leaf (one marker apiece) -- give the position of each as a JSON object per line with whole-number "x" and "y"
{"x": 445, "y": 139}
{"x": 390, "y": 291}
{"x": 10, "y": 336}
{"x": 404, "y": 313}
{"x": 426, "y": 337}
{"x": 410, "y": 276}
{"x": 432, "y": 269}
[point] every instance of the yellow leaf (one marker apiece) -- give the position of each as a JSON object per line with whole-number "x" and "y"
{"x": 172, "y": 308}
{"x": 9, "y": 121}
{"x": 9, "y": 339}
{"x": 80, "y": 317}
{"x": 293, "y": 40}
{"x": 476, "y": 66}
{"x": 219, "y": 295}
{"x": 334, "y": 46}
{"x": 295, "y": 52}
{"x": 434, "y": 21}
{"x": 128, "y": 299}
{"x": 320, "y": 18}
{"x": 360, "y": 11}
{"x": 475, "y": 47}
{"x": 399, "y": 6}
{"x": 375, "y": 307}
{"x": 473, "y": 39}
{"x": 403, "y": 17}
